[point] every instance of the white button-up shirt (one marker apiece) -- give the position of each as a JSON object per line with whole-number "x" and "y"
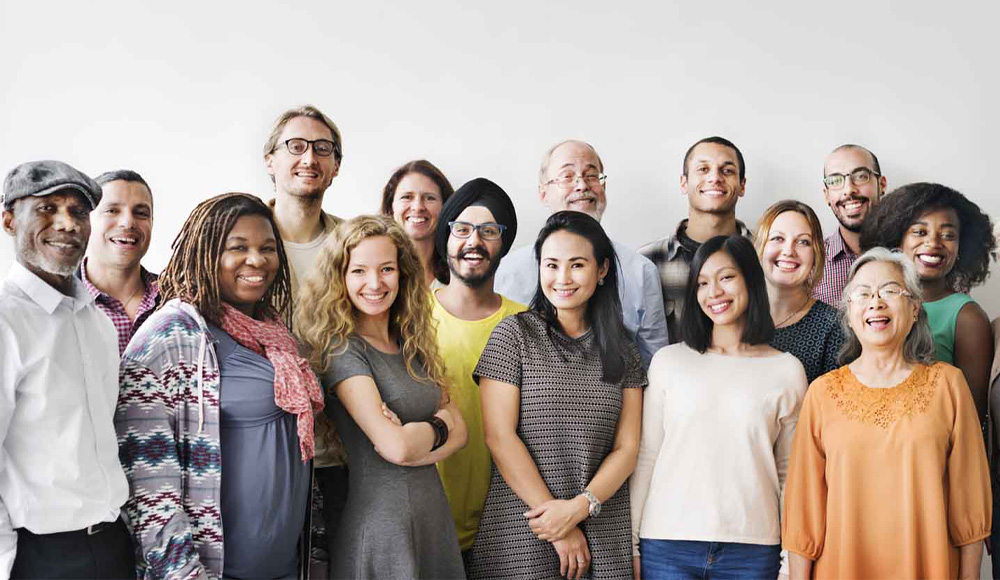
{"x": 638, "y": 289}
{"x": 59, "y": 469}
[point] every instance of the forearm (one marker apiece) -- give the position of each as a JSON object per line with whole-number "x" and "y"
{"x": 970, "y": 560}
{"x": 458, "y": 436}
{"x": 518, "y": 469}
{"x": 799, "y": 567}
{"x": 613, "y": 473}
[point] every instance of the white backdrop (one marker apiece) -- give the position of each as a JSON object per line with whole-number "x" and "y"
{"x": 185, "y": 93}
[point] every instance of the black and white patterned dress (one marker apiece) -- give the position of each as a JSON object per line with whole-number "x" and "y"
{"x": 815, "y": 340}
{"x": 568, "y": 417}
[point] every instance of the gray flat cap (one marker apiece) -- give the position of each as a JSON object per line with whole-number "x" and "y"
{"x": 40, "y": 178}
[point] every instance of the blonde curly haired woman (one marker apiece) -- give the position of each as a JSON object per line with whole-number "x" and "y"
{"x": 366, "y": 322}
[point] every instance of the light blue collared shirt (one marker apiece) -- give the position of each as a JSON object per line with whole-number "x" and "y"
{"x": 638, "y": 288}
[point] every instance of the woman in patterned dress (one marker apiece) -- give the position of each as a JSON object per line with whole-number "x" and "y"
{"x": 789, "y": 243}
{"x": 561, "y": 386}
{"x": 888, "y": 476}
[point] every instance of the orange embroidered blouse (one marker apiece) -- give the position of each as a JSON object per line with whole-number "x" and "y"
{"x": 887, "y": 483}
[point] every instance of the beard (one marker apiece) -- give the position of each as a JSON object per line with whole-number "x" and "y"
{"x": 29, "y": 255}
{"x": 474, "y": 280}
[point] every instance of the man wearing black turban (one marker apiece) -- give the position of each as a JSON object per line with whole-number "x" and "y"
{"x": 476, "y": 228}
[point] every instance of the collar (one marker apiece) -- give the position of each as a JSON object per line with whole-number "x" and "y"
{"x": 149, "y": 285}
{"x": 680, "y": 239}
{"x": 329, "y": 221}
{"x": 836, "y": 245}
{"x": 45, "y": 296}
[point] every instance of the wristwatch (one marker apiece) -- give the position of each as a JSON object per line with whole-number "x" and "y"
{"x": 595, "y": 504}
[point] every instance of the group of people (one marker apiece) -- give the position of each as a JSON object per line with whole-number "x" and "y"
{"x": 404, "y": 395}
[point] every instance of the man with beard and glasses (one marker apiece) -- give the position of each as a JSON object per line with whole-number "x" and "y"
{"x": 713, "y": 178}
{"x": 120, "y": 229}
{"x": 572, "y": 178}
{"x": 61, "y": 484}
{"x": 852, "y": 184}
{"x": 476, "y": 228}
{"x": 302, "y": 156}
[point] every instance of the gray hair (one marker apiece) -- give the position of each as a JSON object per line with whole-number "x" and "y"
{"x": 543, "y": 171}
{"x": 919, "y": 344}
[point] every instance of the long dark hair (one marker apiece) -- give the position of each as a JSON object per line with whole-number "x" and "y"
{"x": 192, "y": 274}
{"x": 696, "y": 326}
{"x": 604, "y": 309}
{"x": 430, "y": 171}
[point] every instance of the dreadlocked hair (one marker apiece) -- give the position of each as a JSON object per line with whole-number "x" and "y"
{"x": 192, "y": 274}
{"x": 326, "y": 318}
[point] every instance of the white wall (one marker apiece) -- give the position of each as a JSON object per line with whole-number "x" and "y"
{"x": 185, "y": 93}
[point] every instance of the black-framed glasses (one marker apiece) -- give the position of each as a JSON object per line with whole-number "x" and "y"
{"x": 487, "y": 231}
{"x": 568, "y": 180}
{"x": 864, "y": 294}
{"x": 321, "y": 147}
{"x": 859, "y": 176}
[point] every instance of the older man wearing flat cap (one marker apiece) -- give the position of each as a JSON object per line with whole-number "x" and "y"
{"x": 476, "y": 228}
{"x": 61, "y": 485}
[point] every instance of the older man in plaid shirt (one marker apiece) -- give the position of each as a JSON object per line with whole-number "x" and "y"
{"x": 713, "y": 179}
{"x": 852, "y": 184}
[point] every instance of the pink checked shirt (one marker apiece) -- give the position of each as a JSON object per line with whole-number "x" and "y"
{"x": 839, "y": 259}
{"x": 116, "y": 310}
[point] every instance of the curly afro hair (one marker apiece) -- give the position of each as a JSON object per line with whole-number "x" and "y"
{"x": 890, "y": 218}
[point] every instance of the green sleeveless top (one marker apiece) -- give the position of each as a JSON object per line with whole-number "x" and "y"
{"x": 941, "y": 316}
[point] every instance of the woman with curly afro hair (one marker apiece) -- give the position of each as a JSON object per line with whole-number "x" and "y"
{"x": 950, "y": 241}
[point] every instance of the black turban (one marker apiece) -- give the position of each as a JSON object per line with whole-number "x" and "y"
{"x": 479, "y": 191}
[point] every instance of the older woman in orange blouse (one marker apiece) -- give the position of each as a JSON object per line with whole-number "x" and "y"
{"x": 888, "y": 475}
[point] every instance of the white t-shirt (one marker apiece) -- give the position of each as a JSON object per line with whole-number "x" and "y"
{"x": 301, "y": 258}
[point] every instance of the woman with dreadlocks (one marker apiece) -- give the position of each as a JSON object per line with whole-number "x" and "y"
{"x": 949, "y": 239}
{"x": 215, "y": 412}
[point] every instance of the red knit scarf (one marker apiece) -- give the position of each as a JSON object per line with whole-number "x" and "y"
{"x": 296, "y": 389}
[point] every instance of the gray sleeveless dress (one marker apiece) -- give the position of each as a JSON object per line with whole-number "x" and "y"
{"x": 396, "y": 523}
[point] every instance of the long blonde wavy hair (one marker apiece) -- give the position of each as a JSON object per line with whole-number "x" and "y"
{"x": 325, "y": 317}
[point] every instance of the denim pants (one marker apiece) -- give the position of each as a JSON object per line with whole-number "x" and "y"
{"x": 689, "y": 560}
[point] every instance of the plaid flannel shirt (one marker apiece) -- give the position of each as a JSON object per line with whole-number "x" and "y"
{"x": 672, "y": 256}
{"x": 124, "y": 326}
{"x": 839, "y": 259}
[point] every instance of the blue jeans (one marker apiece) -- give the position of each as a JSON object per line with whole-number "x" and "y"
{"x": 682, "y": 559}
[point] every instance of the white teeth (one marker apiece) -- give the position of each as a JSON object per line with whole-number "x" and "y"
{"x": 417, "y": 220}
{"x": 852, "y": 206}
{"x": 374, "y": 297}
{"x": 253, "y": 279}
{"x": 124, "y": 240}
{"x": 472, "y": 257}
{"x": 717, "y": 308}
{"x": 931, "y": 260}
{"x": 713, "y": 193}
{"x": 61, "y": 245}
{"x": 785, "y": 265}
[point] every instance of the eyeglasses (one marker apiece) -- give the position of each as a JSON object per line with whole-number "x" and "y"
{"x": 487, "y": 231}
{"x": 864, "y": 294}
{"x": 321, "y": 147}
{"x": 859, "y": 176}
{"x": 568, "y": 180}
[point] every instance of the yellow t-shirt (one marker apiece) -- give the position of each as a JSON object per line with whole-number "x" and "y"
{"x": 466, "y": 474}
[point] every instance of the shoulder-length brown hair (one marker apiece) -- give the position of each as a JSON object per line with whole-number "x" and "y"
{"x": 815, "y": 228}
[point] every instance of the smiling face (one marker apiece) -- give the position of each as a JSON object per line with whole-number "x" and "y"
{"x": 248, "y": 264}
{"x": 789, "y": 256}
{"x": 722, "y": 290}
{"x": 931, "y": 242}
{"x": 416, "y": 205}
{"x": 851, "y": 203}
{"x": 50, "y": 233}
{"x": 122, "y": 225}
{"x": 880, "y": 322}
{"x": 569, "y": 272}
{"x": 372, "y": 277}
{"x": 712, "y": 183}
{"x": 584, "y": 196}
{"x": 307, "y": 175}
{"x": 474, "y": 260}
